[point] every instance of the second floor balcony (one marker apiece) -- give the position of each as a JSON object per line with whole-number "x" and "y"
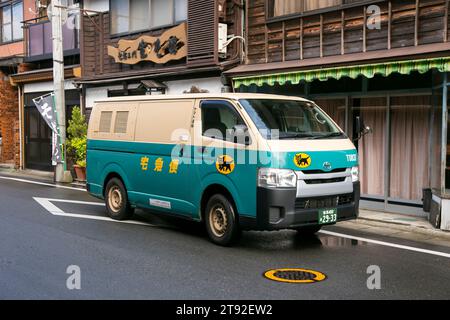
{"x": 39, "y": 43}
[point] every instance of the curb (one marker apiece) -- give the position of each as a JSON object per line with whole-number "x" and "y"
{"x": 442, "y": 234}
{"x": 38, "y": 178}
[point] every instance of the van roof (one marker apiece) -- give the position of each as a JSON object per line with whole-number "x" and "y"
{"x": 232, "y": 96}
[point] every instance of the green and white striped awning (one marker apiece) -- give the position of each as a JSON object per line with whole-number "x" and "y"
{"x": 367, "y": 70}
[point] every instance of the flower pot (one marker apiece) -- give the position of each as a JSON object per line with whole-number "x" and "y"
{"x": 80, "y": 172}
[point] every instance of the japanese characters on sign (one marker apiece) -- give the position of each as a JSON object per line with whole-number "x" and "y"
{"x": 158, "y": 165}
{"x": 171, "y": 45}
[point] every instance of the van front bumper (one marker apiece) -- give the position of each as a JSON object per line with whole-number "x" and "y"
{"x": 281, "y": 209}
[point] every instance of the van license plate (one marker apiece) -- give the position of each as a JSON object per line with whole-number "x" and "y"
{"x": 327, "y": 216}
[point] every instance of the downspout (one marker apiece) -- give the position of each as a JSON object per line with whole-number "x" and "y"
{"x": 19, "y": 91}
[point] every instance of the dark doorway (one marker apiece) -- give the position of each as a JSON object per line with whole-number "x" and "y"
{"x": 38, "y": 139}
{"x": 38, "y": 136}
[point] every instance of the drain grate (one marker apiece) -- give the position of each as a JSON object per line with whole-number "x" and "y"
{"x": 295, "y": 275}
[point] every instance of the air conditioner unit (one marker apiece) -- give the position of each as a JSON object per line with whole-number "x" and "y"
{"x": 223, "y": 38}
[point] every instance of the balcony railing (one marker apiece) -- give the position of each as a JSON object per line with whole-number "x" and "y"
{"x": 38, "y": 37}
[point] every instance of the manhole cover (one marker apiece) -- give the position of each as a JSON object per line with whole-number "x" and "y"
{"x": 295, "y": 275}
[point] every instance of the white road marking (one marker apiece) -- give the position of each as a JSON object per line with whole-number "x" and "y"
{"x": 386, "y": 244}
{"x": 42, "y": 183}
{"x": 54, "y": 210}
{"x": 47, "y": 203}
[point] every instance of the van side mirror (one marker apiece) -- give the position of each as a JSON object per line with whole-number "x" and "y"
{"x": 361, "y": 129}
{"x": 241, "y": 135}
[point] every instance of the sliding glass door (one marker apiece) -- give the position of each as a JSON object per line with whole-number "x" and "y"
{"x": 410, "y": 147}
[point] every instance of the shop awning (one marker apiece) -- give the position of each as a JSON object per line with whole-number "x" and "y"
{"x": 367, "y": 70}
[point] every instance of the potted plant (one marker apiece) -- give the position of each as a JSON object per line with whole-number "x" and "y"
{"x": 79, "y": 148}
{"x": 77, "y": 143}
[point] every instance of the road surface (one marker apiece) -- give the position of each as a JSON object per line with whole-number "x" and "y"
{"x": 44, "y": 230}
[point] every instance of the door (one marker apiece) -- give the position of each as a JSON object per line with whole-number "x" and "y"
{"x": 38, "y": 148}
{"x": 162, "y": 170}
{"x": 220, "y": 160}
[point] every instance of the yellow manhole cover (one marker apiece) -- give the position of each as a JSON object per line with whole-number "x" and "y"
{"x": 295, "y": 275}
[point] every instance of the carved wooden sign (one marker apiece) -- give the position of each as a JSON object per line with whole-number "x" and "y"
{"x": 171, "y": 45}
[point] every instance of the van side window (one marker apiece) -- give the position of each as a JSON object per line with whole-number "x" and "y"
{"x": 218, "y": 119}
{"x": 105, "y": 121}
{"x": 121, "y": 122}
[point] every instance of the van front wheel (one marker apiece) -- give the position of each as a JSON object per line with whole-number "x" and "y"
{"x": 116, "y": 200}
{"x": 221, "y": 222}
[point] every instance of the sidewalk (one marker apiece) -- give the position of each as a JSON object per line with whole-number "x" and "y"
{"x": 399, "y": 226}
{"x": 34, "y": 175}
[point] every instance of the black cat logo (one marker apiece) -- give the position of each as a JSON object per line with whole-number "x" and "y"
{"x": 225, "y": 164}
{"x": 302, "y": 160}
{"x": 226, "y": 167}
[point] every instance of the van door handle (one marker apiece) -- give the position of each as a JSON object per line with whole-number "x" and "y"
{"x": 181, "y": 152}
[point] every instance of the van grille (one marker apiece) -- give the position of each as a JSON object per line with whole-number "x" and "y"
{"x": 320, "y": 181}
{"x": 324, "y": 172}
{"x": 323, "y": 202}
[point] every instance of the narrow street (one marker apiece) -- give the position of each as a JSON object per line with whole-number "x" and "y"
{"x": 44, "y": 230}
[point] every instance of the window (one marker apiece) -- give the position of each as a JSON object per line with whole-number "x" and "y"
{"x": 105, "y": 121}
{"x": 289, "y": 119}
{"x": 11, "y": 18}
{"x": 287, "y": 7}
{"x": 136, "y": 15}
{"x": 121, "y": 122}
{"x": 218, "y": 119}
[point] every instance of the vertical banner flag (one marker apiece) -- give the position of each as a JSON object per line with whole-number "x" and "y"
{"x": 46, "y": 106}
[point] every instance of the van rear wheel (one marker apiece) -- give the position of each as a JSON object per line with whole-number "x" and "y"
{"x": 221, "y": 222}
{"x": 116, "y": 200}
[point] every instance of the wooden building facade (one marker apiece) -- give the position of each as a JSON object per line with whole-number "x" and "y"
{"x": 154, "y": 47}
{"x": 386, "y": 61}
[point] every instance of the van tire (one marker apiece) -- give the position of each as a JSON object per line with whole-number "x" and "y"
{"x": 221, "y": 221}
{"x": 308, "y": 230}
{"x": 116, "y": 200}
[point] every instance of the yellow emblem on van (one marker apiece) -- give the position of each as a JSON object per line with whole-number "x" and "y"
{"x": 225, "y": 164}
{"x": 302, "y": 160}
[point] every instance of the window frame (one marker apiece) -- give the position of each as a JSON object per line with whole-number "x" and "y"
{"x": 270, "y": 18}
{"x": 11, "y": 4}
{"x": 229, "y": 105}
{"x": 149, "y": 28}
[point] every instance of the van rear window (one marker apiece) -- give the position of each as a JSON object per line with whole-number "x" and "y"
{"x": 105, "y": 121}
{"x": 121, "y": 122}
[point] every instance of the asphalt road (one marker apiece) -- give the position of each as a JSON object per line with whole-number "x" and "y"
{"x": 173, "y": 259}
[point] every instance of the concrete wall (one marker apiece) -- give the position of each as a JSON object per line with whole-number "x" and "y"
{"x": 46, "y": 86}
{"x": 213, "y": 85}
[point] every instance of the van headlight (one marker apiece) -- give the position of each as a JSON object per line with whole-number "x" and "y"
{"x": 355, "y": 174}
{"x": 277, "y": 178}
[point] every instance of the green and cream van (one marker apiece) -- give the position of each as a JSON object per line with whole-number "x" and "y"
{"x": 232, "y": 161}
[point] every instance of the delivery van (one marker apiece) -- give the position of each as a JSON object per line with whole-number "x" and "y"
{"x": 231, "y": 161}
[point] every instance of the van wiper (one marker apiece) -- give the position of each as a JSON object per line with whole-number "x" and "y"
{"x": 329, "y": 135}
{"x": 299, "y": 135}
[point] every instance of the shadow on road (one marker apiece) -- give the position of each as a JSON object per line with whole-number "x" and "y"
{"x": 276, "y": 240}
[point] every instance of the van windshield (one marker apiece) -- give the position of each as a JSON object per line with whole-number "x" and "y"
{"x": 290, "y": 119}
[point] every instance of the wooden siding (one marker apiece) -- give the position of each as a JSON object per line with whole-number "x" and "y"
{"x": 404, "y": 23}
{"x": 202, "y": 41}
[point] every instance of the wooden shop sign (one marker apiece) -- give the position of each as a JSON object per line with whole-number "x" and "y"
{"x": 171, "y": 45}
